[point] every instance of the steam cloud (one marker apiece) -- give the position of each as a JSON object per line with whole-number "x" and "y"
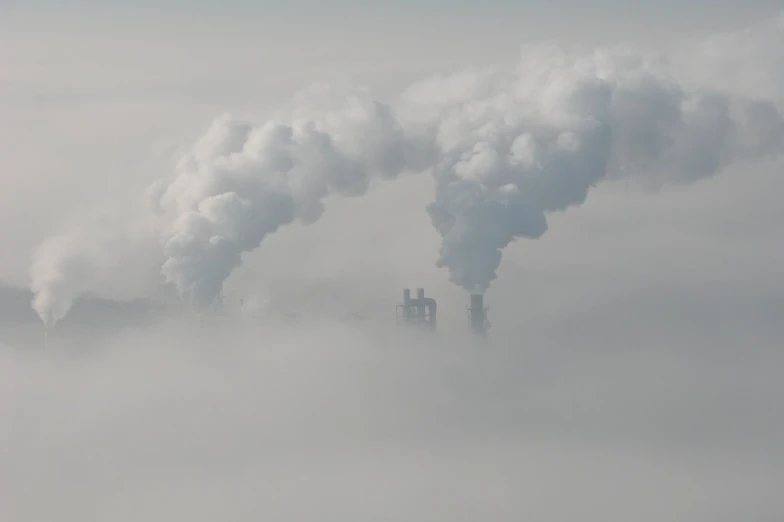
{"x": 506, "y": 147}
{"x": 515, "y": 146}
{"x": 86, "y": 256}
{"x": 511, "y": 147}
{"x": 62, "y": 270}
{"x": 241, "y": 183}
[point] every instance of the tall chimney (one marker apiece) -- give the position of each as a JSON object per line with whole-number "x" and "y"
{"x": 477, "y": 315}
{"x": 420, "y": 311}
{"x": 420, "y": 304}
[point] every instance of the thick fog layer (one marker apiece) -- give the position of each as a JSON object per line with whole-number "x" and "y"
{"x": 328, "y": 421}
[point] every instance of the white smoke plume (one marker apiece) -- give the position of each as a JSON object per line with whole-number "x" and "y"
{"x": 63, "y": 268}
{"x": 241, "y": 182}
{"x": 511, "y": 147}
{"x": 507, "y": 147}
{"x": 517, "y": 145}
{"x": 87, "y": 255}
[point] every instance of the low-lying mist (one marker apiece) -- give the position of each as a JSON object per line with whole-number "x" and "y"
{"x": 204, "y": 419}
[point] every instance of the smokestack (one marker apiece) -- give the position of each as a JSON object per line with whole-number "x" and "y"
{"x": 477, "y": 315}
{"x": 420, "y": 305}
{"x": 406, "y": 304}
{"x": 420, "y": 311}
{"x": 430, "y": 304}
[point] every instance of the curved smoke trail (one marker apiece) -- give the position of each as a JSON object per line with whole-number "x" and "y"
{"x": 515, "y": 146}
{"x": 506, "y": 148}
{"x": 63, "y": 268}
{"x": 241, "y": 183}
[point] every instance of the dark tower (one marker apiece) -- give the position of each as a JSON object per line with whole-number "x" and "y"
{"x": 419, "y": 312}
{"x": 477, "y": 315}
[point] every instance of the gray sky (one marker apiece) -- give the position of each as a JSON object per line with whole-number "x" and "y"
{"x": 633, "y": 370}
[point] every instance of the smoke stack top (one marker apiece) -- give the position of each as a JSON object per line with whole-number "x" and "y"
{"x": 477, "y": 315}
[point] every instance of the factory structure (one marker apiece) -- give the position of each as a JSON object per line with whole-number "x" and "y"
{"x": 421, "y": 312}
{"x": 416, "y": 311}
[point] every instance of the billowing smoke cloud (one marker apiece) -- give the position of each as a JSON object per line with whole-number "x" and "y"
{"x": 517, "y": 145}
{"x": 241, "y": 182}
{"x": 63, "y": 268}
{"x": 85, "y": 257}
{"x": 511, "y": 147}
{"x": 507, "y": 147}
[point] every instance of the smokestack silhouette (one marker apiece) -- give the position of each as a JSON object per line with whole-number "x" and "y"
{"x": 477, "y": 315}
{"x": 421, "y": 311}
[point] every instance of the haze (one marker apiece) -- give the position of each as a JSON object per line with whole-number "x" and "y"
{"x": 632, "y": 370}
